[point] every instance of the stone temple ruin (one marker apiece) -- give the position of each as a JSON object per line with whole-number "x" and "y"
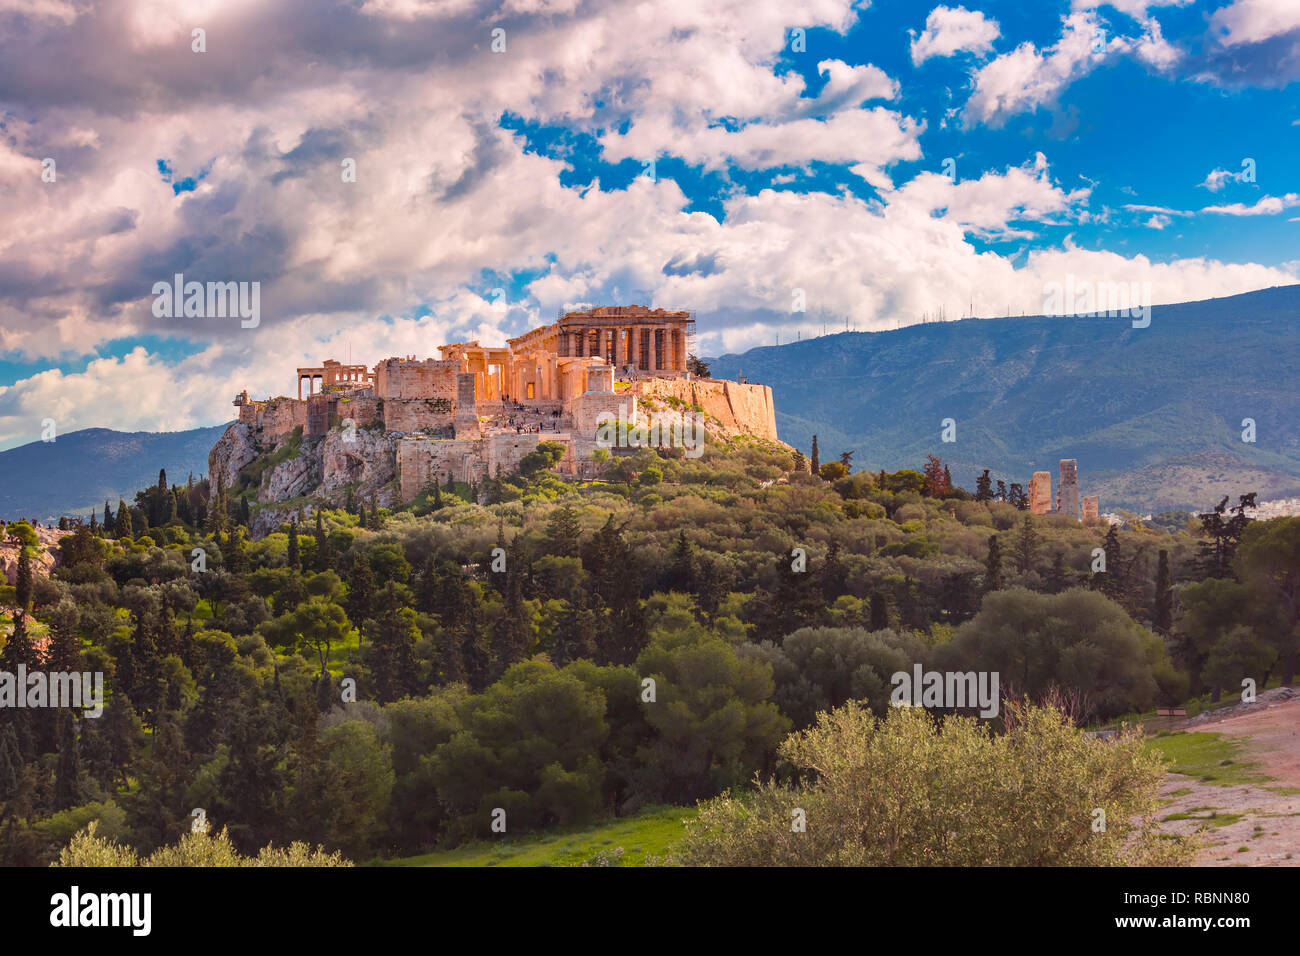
{"x": 475, "y": 411}
{"x": 1067, "y": 496}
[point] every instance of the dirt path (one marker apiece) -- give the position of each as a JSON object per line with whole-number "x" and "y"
{"x": 1252, "y": 825}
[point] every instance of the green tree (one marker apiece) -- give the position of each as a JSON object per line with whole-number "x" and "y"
{"x": 1081, "y": 640}
{"x": 69, "y": 778}
{"x": 1162, "y": 620}
{"x": 1026, "y": 550}
{"x": 1269, "y": 564}
{"x": 993, "y": 566}
{"x": 713, "y": 720}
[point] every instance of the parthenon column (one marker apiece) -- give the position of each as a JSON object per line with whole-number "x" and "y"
{"x": 654, "y": 350}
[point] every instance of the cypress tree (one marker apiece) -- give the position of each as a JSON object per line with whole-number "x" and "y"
{"x": 1057, "y": 577}
{"x": 23, "y": 581}
{"x": 564, "y": 532}
{"x": 1163, "y": 619}
{"x": 294, "y": 559}
{"x": 1026, "y": 546}
{"x": 122, "y": 527}
{"x": 1111, "y": 582}
{"x": 361, "y": 589}
{"x": 816, "y": 461}
{"x": 324, "y": 559}
{"x": 69, "y": 778}
{"x": 993, "y": 566}
{"x": 879, "y": 612}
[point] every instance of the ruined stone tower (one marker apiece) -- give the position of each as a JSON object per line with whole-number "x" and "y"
{"x": 1040, "y": 493}
{"x": 1067, "y": 497}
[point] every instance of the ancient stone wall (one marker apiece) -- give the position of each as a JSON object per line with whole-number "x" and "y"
{"x": 407, "y": 379}
{"x": 276, "y": 417}
{"x": 363, "y": 411}
{"x": 1091, "y": 506}
{"x": 415, "y": 414}
{"x": 591, "y": 407}
{"x": 738, "y": 408}
{"x": 466, "y": 420}
{"x": 422, "y": 460}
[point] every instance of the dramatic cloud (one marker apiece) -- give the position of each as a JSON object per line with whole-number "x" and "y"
{"x": 478, "y": 170}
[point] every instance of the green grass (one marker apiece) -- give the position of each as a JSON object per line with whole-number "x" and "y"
{"x": 1212, "y": 819}
{"x": 1213, "y": 758}
{"x": 652, "y": 832}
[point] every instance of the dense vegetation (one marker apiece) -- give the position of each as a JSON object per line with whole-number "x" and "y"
{"x": 381, "y": 683}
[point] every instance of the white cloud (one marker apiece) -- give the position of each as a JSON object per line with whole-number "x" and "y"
{"x": 1137, "y": 9}
{"x": 1154, "y": 50}
{"x": 1026, "y": 79}
{"x": 988, "y": 206}
{"x": 1268, "y": 206}
{"x": 1253, "y": 21}
{"x": 1216, "y": 179}
{"x": 949, "y": 30}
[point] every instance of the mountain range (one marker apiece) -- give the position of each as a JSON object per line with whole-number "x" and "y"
{"x": 80, "y": 470}
{"x": 1155, "y": 416}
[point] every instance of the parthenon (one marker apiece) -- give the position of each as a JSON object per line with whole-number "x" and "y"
{"x": 549, "y": 363}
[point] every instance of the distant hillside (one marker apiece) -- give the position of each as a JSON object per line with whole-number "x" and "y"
{"x": 80, "y": 470}
{"x": 1153, "y": 415}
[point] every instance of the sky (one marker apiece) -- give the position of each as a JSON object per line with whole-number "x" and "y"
{"x": 398, "y": 174}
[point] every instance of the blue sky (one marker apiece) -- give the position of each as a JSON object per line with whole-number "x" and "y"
{"x": 890, "y": 160}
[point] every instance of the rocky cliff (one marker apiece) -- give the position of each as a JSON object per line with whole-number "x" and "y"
{"x": 287, "y": 468}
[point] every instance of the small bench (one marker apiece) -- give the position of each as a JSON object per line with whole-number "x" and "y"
{"x": 1171, "y": 711}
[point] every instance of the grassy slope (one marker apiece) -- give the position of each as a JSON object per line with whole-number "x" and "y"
{"x": 651, "y": 832}
{"x": 1212, "y": 758}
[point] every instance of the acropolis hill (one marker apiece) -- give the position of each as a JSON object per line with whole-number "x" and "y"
{"x": 476, "y": 411}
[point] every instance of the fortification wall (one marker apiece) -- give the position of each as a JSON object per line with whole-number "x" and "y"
{"x": 422, "y": 460}
{"x": 738, "y": 408}
{"x": 274, "y": 418}
{"x": 589, "y": 407}
{"x": 411, "y": 415}
{"x": 406, "y": 379}
{"x": 363, "y": 411}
